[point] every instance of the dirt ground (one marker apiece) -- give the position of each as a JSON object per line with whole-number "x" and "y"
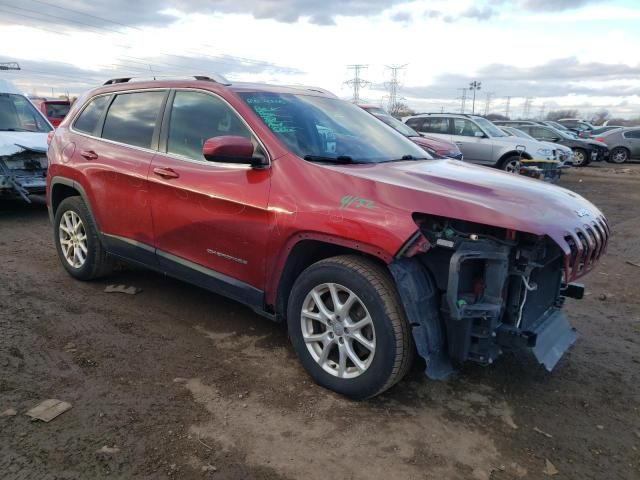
{"x": 178, "y": 383}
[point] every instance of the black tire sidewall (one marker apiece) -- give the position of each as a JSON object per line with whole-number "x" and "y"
{"x": 611, "y": 155}
{"x": 76, "y": 204}
{"x": 381, "y": 368}
{"x": 505, "y": 162}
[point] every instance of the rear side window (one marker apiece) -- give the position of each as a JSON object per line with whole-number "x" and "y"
{"x": 436, "y": 125}
{"x": 632, "y": 134}
{"x": 90, "y": 116}
{"x": 132, "y": 118}
{"x": 415, "y": 123}
{"x": 196, "y": 117}
{"x": 57, "y": 110}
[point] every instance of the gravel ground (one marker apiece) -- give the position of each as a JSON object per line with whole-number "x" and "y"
{"x": 175, "y": 382}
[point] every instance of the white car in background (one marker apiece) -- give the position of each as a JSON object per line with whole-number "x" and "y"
{"x": 23, "y": 144}
{"x": 564, "y": 154}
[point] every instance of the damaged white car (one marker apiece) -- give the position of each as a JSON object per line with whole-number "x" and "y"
{"x": 23, "y": 145}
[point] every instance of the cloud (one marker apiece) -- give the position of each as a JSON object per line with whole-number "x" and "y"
{"x": 401, "y": 17}
{"x": 117, "y": 14}
{"x": 555, "y": 78}
{"x": 63, "y": 77}
{"x": 554, "y": 5}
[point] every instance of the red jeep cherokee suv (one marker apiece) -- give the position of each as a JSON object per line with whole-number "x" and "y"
{"x": 311, "y": 211}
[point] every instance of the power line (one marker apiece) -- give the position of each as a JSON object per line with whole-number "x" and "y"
{"x": 526, "y": 109}
{"x": 357, "y": 82}
{"x": 395, "y": 102}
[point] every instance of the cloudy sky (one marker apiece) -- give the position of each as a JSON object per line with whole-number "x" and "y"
{"x": 581, "y": 54}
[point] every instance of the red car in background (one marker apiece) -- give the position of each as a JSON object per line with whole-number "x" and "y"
{"x": 54, "y": 110}
{"x": 430, "y": 144}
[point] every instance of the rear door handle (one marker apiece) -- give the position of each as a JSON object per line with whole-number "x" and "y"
{"x": 89, "y": 155}
{"x": 166, "y": 172}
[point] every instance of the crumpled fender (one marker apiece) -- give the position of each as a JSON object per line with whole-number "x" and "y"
{"x": 419, "y": 297}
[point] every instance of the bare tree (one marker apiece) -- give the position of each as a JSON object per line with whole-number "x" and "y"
{"x": 600, "y": 116}
{"x": 558, "y": 114}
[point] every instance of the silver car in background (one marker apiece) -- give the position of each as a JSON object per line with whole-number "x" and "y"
{"x": 624, "y": 144}
{"x": 563, "y": 154}
{"x": 480, "y": 140}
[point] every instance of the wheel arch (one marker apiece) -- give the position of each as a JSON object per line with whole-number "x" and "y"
{"x": 304, "y": 251}
{"x": 63, "y": 187}
{"x": 513, "y": 153}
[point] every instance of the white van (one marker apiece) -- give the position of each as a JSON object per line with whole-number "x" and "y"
{"x": 23, "y": 144}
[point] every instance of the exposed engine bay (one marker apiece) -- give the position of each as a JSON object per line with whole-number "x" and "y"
{"x": 23, "y": 172}
{"x": 473, "y": 291}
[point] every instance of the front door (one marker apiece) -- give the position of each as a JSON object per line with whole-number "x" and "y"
{"x": 473, "y": 143}
{"x": 210, "y": 219}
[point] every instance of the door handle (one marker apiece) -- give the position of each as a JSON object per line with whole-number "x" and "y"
{"x": 166, "y": 172}
{"x": 89, "y": 154}
{"x": 458, "y": 143}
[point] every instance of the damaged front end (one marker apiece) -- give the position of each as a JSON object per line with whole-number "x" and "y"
{"x": 23, "y": 172}
{"x": 472, "y": 291}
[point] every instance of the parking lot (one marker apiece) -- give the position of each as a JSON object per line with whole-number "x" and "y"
{"x": 178, "y": 382}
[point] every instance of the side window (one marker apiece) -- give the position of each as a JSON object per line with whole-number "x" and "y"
{"x": 415, "y": 123}
{"x": 544, "y": 134}
{"x": 632, "y": 134}
{"x": 465, "y": 128}
{"x": 436, "y": 125}
{"x": 88, "y": 120}
{"x": 196, "y": 117}
{"x": 132, "y": 118}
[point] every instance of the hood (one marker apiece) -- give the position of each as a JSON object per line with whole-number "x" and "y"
{"x": 531, "y": 146}
{"x": 594, "y": 143}
{"x": 437, "y": 144}
{"x": 10, "y": 142}
{"x": 484, "y": 195}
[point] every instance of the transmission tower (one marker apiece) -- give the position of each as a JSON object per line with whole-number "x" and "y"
{"x": 487, "y": 103}
{"x": 526, "y": 108}
{"x": 9, "y": 66}
{"x": 395, "y": 102}
{"x": 543, "y": 107}
{"x": 462, "y": 98}
{"x": 506, "y": 112}
{"x": 357, "y": 82}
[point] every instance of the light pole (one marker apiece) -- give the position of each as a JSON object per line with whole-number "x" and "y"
{"x": 474, "y": 86}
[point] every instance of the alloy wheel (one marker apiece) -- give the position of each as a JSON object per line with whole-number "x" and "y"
{"x": 338, "y": 330}
{"x": 512, "y": 166}
{"x": 73, "y": 239}
{"x": 579, "y": 157}
{"x": 619, "y": 155}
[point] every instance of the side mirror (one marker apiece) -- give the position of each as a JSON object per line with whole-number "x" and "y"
{"x": 478, "y": 134}
{"x": 230, "y": 149}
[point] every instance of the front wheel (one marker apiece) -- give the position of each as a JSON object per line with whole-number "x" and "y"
{"x": 619, "y": 155}
{"x": 581, "y": 158}
{"x": 511, "y": 164}
{"x": 348, "y": 327}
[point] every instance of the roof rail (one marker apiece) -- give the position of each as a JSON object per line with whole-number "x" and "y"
{"x": 313, "y": 89}
{"x": 208, "y": 78}
{"x": 446, "y": 113}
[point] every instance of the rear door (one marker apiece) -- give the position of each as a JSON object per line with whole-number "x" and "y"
{"x": 210, "y": 219}
{"x": 474, "y": 148}
{"x": 438, "y": 127}
{"x": 115, "y": 157}
{"x": 632, "y": 141}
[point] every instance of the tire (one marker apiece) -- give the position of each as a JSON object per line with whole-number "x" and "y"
{"x": 619, "y": 155}
{"x": 511, "y": 164}
{"x": 87, "y": 265}
{"x": 388, "y": 330}
{"x": 581, "y": 158}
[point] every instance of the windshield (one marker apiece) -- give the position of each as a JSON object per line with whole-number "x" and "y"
{"x": 515, "y": 132}
{"x": 561, "y": 133}
{"x": 331, "y": 130}
{"x": 17, "y": 114}
{"x": 57, "y": 110}
{"x": 489, "y": 127}
{"x": 397, "y": 125}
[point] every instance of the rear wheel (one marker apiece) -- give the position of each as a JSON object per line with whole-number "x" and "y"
{"x": 348, "y": 327}
{"x": 511, "y": 164}
{"x": 619, "y": 155}
{"x": 581, "y": 158}
{"x": 77, "y": 242}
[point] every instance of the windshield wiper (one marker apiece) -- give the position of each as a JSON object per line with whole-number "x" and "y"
{"x": 406, "y": 157}
{"x": 338, "y": 159}
{"x": 15, "y": 130}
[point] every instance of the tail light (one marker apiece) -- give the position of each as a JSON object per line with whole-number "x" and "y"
{"x": 599, "y": 139}
{"x": 50, "y": 137}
